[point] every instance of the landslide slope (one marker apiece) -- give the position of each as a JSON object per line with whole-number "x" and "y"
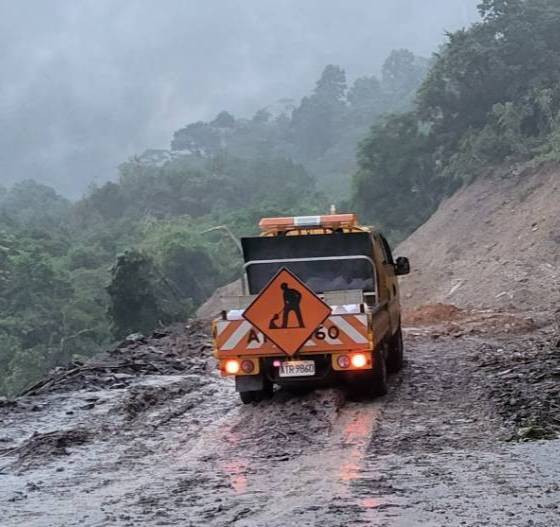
{"x": 493, "y": 244}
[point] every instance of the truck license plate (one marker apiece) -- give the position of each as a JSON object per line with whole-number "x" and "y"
{"x": 297, "y": 368}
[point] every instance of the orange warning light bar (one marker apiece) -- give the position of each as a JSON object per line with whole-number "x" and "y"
{"x": 330, "y": 221}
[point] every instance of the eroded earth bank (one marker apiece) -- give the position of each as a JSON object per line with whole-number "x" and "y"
{"x": 149, "y": 434}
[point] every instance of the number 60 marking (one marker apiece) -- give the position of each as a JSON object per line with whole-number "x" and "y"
{"x": 333, "y": 333}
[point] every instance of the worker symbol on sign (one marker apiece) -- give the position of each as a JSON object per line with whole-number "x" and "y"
{"x": 292, "y": 304}
{"x": 299, "y": 312}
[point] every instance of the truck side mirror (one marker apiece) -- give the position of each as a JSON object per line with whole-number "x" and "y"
{"x": 402, "y": 266}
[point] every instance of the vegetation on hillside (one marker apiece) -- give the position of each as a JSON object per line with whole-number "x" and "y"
{"x": 141, "y": 251}
{"x": 130, "y": 256}
{"x": 492, "y": 95}
{"x": 321, "y": 132}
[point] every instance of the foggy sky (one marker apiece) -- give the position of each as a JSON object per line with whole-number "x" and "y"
{"x": 84, "y": 84}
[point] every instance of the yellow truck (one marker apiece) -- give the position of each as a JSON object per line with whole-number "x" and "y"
{"x": 320, "y": 306}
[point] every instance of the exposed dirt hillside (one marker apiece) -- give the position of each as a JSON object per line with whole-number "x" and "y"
{"x": 494, "y": 244}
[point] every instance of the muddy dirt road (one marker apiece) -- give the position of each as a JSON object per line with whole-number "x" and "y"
{"x": 168, "y": 443}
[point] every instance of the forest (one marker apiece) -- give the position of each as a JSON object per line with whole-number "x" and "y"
{"x": 139, "y": 252}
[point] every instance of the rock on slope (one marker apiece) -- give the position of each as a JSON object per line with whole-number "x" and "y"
{"x": 494, "y": 244}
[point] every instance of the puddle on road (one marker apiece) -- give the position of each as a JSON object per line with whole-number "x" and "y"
{"x": 265, "y": 465}
{"x": 356, "y": 435}
{"x": 358, "y": 428}
{"x": 236, "y": 470}
{"x": 310, "y": 480}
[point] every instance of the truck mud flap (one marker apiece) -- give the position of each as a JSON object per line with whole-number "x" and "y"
{"x": 249, "y": 383}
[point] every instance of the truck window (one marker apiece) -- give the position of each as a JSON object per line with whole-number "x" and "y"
{"x": 331, "y": 262}
{"x": 386, "y": 250}
{"x": 320, "y": 276}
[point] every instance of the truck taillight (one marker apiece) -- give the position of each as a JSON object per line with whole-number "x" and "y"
{"x": 232, "y": 366}
{"x": 359, "y": 360}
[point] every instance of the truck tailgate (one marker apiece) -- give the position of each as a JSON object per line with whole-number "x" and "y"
{"x": 338, "y": 333}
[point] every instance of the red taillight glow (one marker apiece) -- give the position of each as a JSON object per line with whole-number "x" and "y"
{"x": 232, "y": 366}
{"x": 359, "y": 360}
{"x": 343, "y": 361}
{"x": 247, "y": 366}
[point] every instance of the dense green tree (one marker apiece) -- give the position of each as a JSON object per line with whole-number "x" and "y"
{"x": 191, "y": 271}
{"x": 25, "y": 367}
{"x": 506, "y": 67}
{"x": 396, "y": 186}
{"x": 197, "y": 138}
{"x": 331, "y": 86}
{"x": 402, "y": 73}
{"x": 262, "y": 116}
{"x": 34, "y": 298}
{"x": 9, "y": 348}
{"x": 39, "y": 309}
{"x": 224, "y": 120}
{"x": 133, "y": 295}
{"x": 316, "y": 122}
{"x": 366, "y": 99}
{"x": 30, "y": 204}
{"x": 108, "y": 201}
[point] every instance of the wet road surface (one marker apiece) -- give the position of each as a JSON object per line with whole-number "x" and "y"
{"x": 181, "y": 450}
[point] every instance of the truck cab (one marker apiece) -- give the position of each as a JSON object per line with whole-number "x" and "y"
{"x": 352, "y": 328}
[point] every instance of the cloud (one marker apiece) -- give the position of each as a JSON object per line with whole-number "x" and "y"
{"x": 87, "y": 84}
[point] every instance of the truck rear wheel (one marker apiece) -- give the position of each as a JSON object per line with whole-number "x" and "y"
{"x": 379, "y": 379}
{"x": 256, "y": 396}
{"x": 374, "y": 383}
{"x": 247, "y": 397}
{"x": 395, "y": 358}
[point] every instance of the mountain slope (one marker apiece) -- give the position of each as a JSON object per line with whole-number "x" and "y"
{"x": 495, "y": 243}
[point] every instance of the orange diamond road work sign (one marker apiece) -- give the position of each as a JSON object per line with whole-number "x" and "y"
{"x": 287, "y": 312}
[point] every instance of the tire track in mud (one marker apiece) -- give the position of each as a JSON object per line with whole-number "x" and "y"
{"x": 287, "y": 461}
